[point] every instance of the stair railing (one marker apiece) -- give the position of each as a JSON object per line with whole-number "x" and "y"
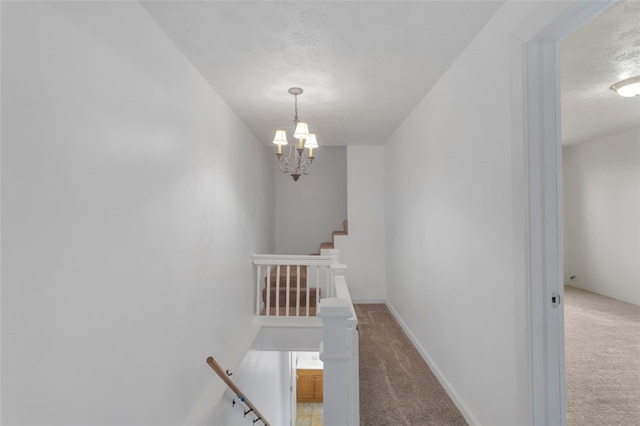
{"x": 289, "y": 285}
{"x": 236, "y": 390}
{"x": 340, "y": 346}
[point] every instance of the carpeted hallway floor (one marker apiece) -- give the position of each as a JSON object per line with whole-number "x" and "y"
{"x": 602, "y": 359}
{"x": 396, "y": 385}
{"x": 602, "y": 356}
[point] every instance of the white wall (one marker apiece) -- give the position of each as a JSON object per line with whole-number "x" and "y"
{"x": 363, "y": 250}
{"x": 450, "y": 275}
{"x": 309, "y": 360}
{"x": 602, "y": 215}
{"x": 307, "y": 211}
{"x": 261, "y": 378}
{"x": 132, "y": 197}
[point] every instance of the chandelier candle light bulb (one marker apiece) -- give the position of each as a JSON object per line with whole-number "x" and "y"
{"x": 279, "y": 140}
{"x": 311, "y": 143}
{"x": 296, "y": 162}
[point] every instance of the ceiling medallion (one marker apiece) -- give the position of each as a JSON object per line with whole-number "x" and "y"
{"x": 296, "y": 162}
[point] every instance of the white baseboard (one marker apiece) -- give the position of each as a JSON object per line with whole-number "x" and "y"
{"x": 369, "y": 301}
{"x": 459, "y": 403}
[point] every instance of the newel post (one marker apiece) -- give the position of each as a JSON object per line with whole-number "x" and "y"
{"x": 337, "y": 269}
{"x": 335, "y": 353}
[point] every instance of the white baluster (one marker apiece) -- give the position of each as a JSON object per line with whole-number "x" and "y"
{"x": 258, "y": 288}
{"x": 317, "y": 288}
{"x": 298, "y": 291}
{"x": 278, "y": 290}
{"x": 288, "y": 287}
{"x": 268, "y": 305}
{"x": 308, "y": 286}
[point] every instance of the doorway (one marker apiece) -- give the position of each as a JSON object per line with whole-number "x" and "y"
{"x": 309, "y": 389}
{"x": 601, "y": 208}
{"x": 537, "y": 190}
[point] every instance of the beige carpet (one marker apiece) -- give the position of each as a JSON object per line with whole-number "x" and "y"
{"x": 396, "y": 385}
{"x": 602, "y": 354}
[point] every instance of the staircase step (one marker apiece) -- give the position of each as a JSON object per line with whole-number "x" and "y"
{"x": 326, "y": 245}
{"x": 302, "y": 297}
{"x": 293, "y": 276}
{"x": 292, "y": 311}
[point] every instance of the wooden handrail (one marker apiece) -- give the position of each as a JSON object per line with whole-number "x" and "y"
{"x": 223, "y": 375}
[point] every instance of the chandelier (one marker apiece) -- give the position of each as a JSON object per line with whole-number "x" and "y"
{"x": 296, "y": 162}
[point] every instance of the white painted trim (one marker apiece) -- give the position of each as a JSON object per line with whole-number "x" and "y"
{"x": 337, "y": 355}
{"x": 520, "y": 213}
{"x": 459, "y": 402}
{"x": 1, "y": 226}
{"x": 298, "y": 339}
{"x": 545, "y": 229}
{"x": 287, "y": 322}
{"x": 342, "y": 292}
{"x": 286, "y": 259}
{"x": 354, "y": 372}
{"x": 287, "y": 405}
{"x": 293, "y": 383}
{"x": 370, "y": 301}
{"x": 536, "y": 140}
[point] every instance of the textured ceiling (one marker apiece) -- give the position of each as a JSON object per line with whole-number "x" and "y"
{"x": 363, "y": 65}
{"x": 600, "y": 53}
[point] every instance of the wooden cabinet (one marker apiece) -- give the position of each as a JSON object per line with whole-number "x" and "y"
{"x": 309, "y": 385}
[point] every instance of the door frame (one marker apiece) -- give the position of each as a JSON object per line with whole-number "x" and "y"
{"x": 537, "y": 193}
{"x": 289, "y": 406}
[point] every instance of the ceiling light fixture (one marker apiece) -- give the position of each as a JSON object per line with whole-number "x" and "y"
{"x": 628, "y": 88}
{"x": 296, "y": 162}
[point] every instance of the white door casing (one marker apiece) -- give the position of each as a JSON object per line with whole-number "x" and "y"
{"x": 537, "y": 190}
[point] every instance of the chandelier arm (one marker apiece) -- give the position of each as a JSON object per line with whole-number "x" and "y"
{"x": 284, "y": 165}
{"x": 305, "y": 168}
{"x": 286, "y": 161}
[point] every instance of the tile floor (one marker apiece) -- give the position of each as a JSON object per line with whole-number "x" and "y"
{"x": 309, "y": 414}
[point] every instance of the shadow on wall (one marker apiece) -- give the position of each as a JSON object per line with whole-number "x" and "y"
{"x": 307, "y": 211}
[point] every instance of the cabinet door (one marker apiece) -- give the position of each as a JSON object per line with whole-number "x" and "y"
{"x": 309, "y": 385}
{"x": 305, "y": 388}
{"x": 318, "y": 394}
